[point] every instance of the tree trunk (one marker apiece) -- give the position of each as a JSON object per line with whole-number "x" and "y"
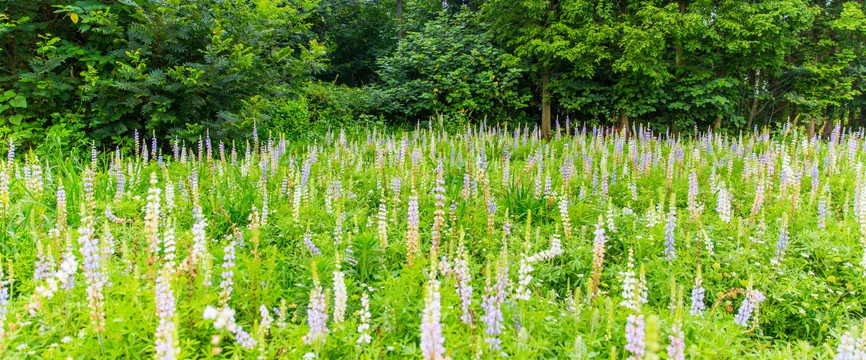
{"x": 755, "y": 80}
{"x": 399, "y": 20}
{"x": 623, "y": 121}
{"x": 545, "y": 102}
{"x": 718, "y": 125}
{"x": 828, "y": 127}
{"x": 679, "y": 45}
{"x": 811, "y": 127}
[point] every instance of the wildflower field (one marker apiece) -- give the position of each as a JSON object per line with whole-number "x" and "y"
{"x": 486, "y": 243}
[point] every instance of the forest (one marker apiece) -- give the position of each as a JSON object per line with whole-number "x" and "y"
{"x": 87, "y": 71}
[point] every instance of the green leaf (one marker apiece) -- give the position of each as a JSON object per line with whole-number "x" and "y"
{"x": 16, "y": 119}
{"x": 18, "y": 101}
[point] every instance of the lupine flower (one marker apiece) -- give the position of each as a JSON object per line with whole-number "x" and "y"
{"x": 168, "y": 245}
{"x": 464, "y": 285}
{"x": 723, "y": 203}
{"x": 151, "y": 219}
{"x": 524, "y": 277}
{"x": 382, "y": 220}
{"x": 264, "y": 327}
{"x": 597, "y": 255}
{"x": 412, "y": 226}
{"x": 225, "y": 318}
{"x": 782, "y": 245}
{"x": 91, "y": 260}
{"x": 317, "y": 315}
{"x": 43, "y": 267}
{"x": 4, "y": 305}
{"x": 4, "y": 193}
{"x": 698, "y": 306}
{"x": 677, "y": 337}
{"x": 634, "y": 336}
{"x": 695, "y": 207}
{"x": 439, "y": 213}
{"x": 166, "y": 348}
{"x": 563, "y": 214}
{"x": 364, "y": 315}
{"x": 340, "y": 296}
{"x": 61, "y": 206}
{"x": 753, "y": 299}
{"x": 93, "y": 154}
{"x": 670, "y": 228}
{"x": 634, "y": 289}
{"x": 10, "y": 154}
{"x": 432, "y": 341}
{"x": 822, "y": 210}
{"x": 850, "y": 348}
{"x": 227, "y": 276}
{"x": 491, "y": 302}
{"x": 308, "y": 241}
{"x": 199, "y": 246}
{"x": 67, "y": 270}
{"x": 87, "y": 186}
{"x": 554, "y": 250}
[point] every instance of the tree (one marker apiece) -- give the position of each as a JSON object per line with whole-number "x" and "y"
{"x": 551, "y": 36}
{"x": 451, "y": 68}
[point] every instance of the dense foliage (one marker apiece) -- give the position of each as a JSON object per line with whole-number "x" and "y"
{"x": 486, "y": 243}
{"x": 98, "y": 69}
{"x": 176, "y": 67}
{"x": 450, "y": 68}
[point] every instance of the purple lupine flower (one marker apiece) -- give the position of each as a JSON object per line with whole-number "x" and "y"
{"x": 175, "y": 150}
{"x": 43, "y": 267}
{"x": 165, "y": 309}
{"x": 208, "y": 145}
{"x": 694, "y": 205}
{"x": 464, "y": 287}
{"x": 752, "y": 300}
{"x": 723, "y": 203}
{"x": 634, "y": 336}
{"x": 4, "y": 306}
{"x": 492, "y": 304}
{"x": 200, "y": 154}
{"x": 305, "y": 172}
{"x": 153, "y": 146}
{"x": 317, "y": 316}
{"x": 467, "y": 184}
{"x": 91, "y": 262}
{"x": 10, "y": 155}
{"x": 678, "y": 343}
{"x": 782, "y": 245}
{"x": 432, "y": 341}
{"x": 412, "y": 227}
{"x": 135, "y": 142}
{"x": 815, "y": 179}
{"x": 308, "y": 241}
{"x": 698, "y": 306}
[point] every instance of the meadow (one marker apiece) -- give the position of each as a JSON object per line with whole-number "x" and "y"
{"x": 484, "y": 243}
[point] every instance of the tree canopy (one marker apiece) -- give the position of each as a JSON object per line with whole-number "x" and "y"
{"x": 99, "y": 69}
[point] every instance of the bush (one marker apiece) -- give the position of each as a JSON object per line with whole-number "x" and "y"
{"x": 175, "y": 68}
{"x": 450, "y": 68}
